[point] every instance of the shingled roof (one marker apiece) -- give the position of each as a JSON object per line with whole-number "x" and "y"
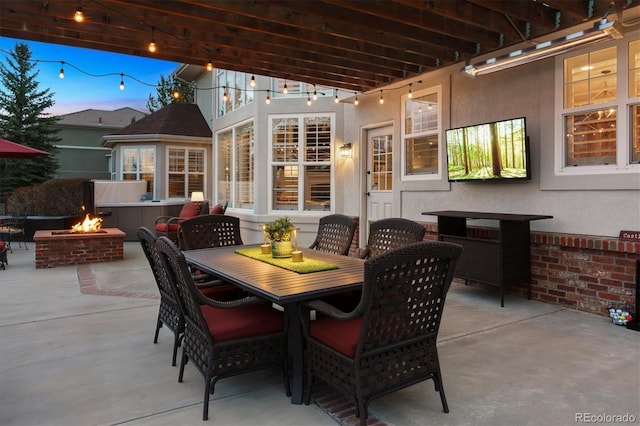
{"x": 177, "y": 119}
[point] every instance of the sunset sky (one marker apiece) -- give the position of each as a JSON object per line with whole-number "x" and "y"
{"x": 85, "y": 84}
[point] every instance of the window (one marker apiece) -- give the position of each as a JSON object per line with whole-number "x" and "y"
{"x": 186, "y": 171}
{"x": 298, "y": 89}
{"x": 301, "y": 172}
{"x": 236, "y": 167}
{"x": 234, "y": 91}
{"x": 600, "y": 117}
{"x": 420, "y": 135}
{"x": 138, "y": 163}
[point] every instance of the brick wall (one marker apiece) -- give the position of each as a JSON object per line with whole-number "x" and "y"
{"x": 73, "y": 251}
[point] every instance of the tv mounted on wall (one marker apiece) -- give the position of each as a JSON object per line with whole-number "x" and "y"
{"x": 489, "y": 151}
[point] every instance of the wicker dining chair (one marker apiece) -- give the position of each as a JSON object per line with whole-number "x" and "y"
{"x": 335, "y": 234}
{"x": 168, "y": 226}
{"x": 390, "y": 233}
{"x": 224, "y": 339}
{"x": 212, "y": 230}
{"x": 389, "y": 341}
{"x": 169, "y": 313}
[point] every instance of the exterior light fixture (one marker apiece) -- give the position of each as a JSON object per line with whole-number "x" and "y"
{"x": 78, "y": 16}
{"x": 346, "y": 151}
{"x": 152, "y": 43}
{"x": 601, "y": 31}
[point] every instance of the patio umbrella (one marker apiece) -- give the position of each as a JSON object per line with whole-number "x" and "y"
{"x": 10, "y": 149}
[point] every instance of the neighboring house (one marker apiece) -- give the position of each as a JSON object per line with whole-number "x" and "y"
{"x": 170, "y": 149}
{"x": 81, "y": 153}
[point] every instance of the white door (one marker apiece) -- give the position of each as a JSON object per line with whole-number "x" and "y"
{"x": 379, "y": 173}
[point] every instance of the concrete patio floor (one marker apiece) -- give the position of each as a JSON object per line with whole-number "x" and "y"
{"x": 77, "y": 349}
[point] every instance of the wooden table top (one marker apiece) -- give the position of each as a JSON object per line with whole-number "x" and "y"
{"x": 277, "y": 284}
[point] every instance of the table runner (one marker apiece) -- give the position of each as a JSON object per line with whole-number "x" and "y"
{"x": 305, "y": 267}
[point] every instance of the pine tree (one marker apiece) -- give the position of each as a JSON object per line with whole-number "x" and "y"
{"x": 22, "y": 120}
{"x": 167, "y": 87}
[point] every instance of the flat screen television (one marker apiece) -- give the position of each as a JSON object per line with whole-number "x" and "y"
{"x": 489, "y": 151}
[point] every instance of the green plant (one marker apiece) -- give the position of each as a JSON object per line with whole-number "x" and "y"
{"x": 280, "y": 229}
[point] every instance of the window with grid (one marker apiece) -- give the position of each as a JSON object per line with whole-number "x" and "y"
{"x": 301, "y": 172}
{"x": 420, "y": 134}
{"x": 186, "y": 171}
{"x": 138, "y": 163}
{"x": 597, "y": 112}
{"x": 234, "y": 91}
{"x": 236, "y": 167}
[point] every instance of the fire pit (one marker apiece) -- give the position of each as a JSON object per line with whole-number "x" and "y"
{"x": 85, "y": 242}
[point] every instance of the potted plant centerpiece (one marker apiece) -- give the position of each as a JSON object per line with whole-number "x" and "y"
{"x": 280, "y": 232}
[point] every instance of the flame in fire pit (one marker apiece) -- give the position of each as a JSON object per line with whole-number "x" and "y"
{"x": 88, "y": 225}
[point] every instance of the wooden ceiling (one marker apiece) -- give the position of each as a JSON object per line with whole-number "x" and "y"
{"x": 356, "y": 45}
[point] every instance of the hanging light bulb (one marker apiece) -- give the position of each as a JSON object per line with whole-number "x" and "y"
{"x": 225, "y": 97}
{"x": 356, "y": 101}
{"x": 152, "y": 43}
{"x": 253, "y": 81}
{"x": 308, "y": 99}
{"x": 315, "y": 94}
{"x": 209, "y": 65}
{"x": 284, "y": 89}
{"x": 268, "y": 99}
{"x": 78, "y": 16}
{"x": 335, "y": 99}
{"x": 61, "y": 74}
{"x": 410, "y": 95}
{"x": 176, "y": 93}
{"x": 121, "y": 81}
{"x": 381, "y": 98}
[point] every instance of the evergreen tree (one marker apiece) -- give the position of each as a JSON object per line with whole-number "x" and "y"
{"x": 22, "y": 120}
{"x": 167, "y": 87}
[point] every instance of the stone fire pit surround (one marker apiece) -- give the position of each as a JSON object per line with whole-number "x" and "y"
{"x": 63, "y": 248}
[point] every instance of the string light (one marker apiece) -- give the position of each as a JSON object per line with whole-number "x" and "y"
{"x": 61, "y": 73}
{"x": 209, "y": 65}
{"x": 381, "y": 98}
{"x": 152, "y": 43}
{"x": 315, "y": 94}
{"x": 268, "y": 99}
{"x": 410, "y": 95}
{"x": 284, "y": 89}
{"x": 308, "y": 99}
{"x": 78, "y": 16}
{"x": 225, "y": 97}
{"x": 356, "y": 101}
{"x": 176, "y": 94}
{"x": 121, "y": 81}
{"x": 253, "y": 81}
{"x": 335, "y": 99}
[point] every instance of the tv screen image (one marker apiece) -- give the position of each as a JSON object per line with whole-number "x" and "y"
{"x": 497, "y": 150}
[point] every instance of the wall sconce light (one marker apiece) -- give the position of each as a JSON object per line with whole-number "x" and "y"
{"x": 346, "y": 151}
{"x": 197, "y": 197}
{"x": 602, "y": 30}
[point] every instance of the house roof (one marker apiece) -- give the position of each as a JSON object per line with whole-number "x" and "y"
{"x": 98, "y": 117}
{"x": 177, "y": 119}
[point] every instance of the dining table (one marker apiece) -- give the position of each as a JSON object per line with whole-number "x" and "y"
{"x": 282, "y": 286}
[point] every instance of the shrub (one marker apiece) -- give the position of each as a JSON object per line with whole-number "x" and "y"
{"x": 55, "y": 197}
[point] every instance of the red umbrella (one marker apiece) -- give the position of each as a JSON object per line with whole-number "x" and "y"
{"x": 10, "y": 149}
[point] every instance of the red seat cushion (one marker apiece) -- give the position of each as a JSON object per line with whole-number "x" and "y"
{"x": 245, "y": 321}
{"x": 162, "y": 227}
{"x": 3, "y": 245}
{"x": 189, "y": 210}
{"x": 217, "y": 209}
{"x": 337, "y": 334}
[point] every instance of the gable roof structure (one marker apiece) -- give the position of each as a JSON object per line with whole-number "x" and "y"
{"x": 117, "y": 118}
{"x": 177, "y": 119}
